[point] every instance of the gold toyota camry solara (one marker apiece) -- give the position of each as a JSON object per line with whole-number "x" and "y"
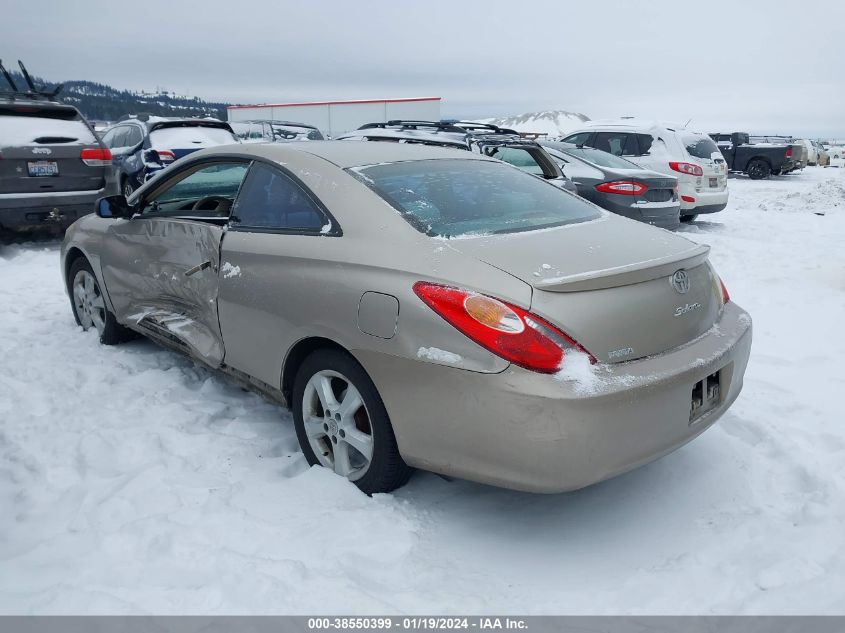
{"x": 420, "y": 307}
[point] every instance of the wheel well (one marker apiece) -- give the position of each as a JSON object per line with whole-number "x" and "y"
{"x": 72, "y": 255}
{"x": 765, "y": 159}
{"x": 297, "y": 354}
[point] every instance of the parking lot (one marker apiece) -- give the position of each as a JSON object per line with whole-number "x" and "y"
{"x": 133, "y": 480}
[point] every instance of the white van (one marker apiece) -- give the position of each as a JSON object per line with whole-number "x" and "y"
{"x": 692, "y": 157}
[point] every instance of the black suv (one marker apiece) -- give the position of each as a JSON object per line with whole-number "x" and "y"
{"x": 52, "y": 166}
{"x": 143, "y": 145}
{"x": 502, "y": 143}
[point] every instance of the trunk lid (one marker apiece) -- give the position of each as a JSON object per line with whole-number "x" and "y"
{"x": 609, "y": 284}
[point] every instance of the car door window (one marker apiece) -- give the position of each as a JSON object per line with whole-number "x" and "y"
{"x": 578, "y": 139}
{"x": 611, "y": 142}
{"x": 133, "y": 136}
{"x": 271, "y": 199}
{"x": 207, "y": 190}
{"x": 108, "y": 138}
{"x": 519, "y": 158}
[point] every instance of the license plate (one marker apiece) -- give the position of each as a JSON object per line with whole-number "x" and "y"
{"x": 43, "y": 168}
{"x": 714, "y": 182}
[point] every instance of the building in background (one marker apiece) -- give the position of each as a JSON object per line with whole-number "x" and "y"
{"x": 336, "y": 117}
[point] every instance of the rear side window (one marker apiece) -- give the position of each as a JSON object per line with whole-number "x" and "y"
{"x": 455, "y": 197}
{"x": 30, "y": 125}
{"x": 270, "y": 199}
{"x": 699, "y": 145}
{"x": 611, "y": 142}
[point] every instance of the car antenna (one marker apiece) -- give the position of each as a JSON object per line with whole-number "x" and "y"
{"x": 7, "y": 76}
{"x": 688, "y": 122}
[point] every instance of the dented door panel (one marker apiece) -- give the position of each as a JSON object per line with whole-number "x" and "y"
{"x": 161, "y": 275}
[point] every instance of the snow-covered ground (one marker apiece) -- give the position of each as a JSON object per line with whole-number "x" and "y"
{"x": 133, "y": 481}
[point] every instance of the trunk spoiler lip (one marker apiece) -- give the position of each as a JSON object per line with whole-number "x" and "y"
{"x": 627, "y": 274}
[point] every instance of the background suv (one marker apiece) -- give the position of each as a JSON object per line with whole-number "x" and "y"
{"x": 52, "y": 166}
{"x": 692, "y": 157}
{"x": 143, "y": 145}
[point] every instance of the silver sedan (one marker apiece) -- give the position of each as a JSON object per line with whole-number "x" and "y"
{"x": 420, "y": 307}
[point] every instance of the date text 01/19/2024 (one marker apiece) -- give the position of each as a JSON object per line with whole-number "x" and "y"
{"x": 418, "y": 623}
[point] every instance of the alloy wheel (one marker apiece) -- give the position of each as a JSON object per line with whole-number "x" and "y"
{"x": 88, "y": 301}
{"x": 337, "y": 424}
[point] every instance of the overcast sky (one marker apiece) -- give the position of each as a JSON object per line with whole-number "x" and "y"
{"x": 764, "y": 66}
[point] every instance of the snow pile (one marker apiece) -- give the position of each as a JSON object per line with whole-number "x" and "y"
{"x": 18, "y": 131}
{"x": 230, "y": 270}
{"x": 134, "y": 481}
{"x": 577, "y": 369}
{"x": 550, "y": 122}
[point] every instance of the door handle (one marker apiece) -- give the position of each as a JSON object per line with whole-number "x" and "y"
{"x": 197, "y": 268}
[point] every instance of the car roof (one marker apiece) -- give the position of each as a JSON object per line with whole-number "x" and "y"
{"x": 346, "y": 154}
{"x": 432, "y": 137}
{"x": 275, "y": 122}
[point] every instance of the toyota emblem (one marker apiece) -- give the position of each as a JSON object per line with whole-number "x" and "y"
{"x": 680, "y": 281}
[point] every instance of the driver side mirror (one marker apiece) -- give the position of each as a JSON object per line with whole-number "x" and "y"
{"x": 114, "y": 207}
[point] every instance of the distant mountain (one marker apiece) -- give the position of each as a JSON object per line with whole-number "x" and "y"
{"x": 99, "y": 102}
{"x": 551, "y": 122}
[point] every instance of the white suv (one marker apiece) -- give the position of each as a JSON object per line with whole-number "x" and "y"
{"x": 692, "y": 157}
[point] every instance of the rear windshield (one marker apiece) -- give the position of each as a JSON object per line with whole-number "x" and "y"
{"x": 454, "y": 197}
{"x": 699, "y": 145}
{"x": 190, "y": 137}
{"x": 600, "y": 158}
{"x": 43, "y": 126}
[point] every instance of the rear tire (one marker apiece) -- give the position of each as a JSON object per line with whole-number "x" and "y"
{"x": 688, "y": 218}
{"x": 758, "y": 169}
{"x": 337, "y": 410}
{"x": 89, "y": 305}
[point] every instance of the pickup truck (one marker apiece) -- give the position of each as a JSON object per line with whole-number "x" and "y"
{"x": 758, "y": 160}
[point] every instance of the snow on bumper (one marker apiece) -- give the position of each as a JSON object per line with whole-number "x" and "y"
{"x": 539, "y": 433}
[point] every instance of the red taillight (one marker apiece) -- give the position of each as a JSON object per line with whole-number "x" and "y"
{"x": 623, "y": 187}
{"x": 96, "y": 157}
{"x": 687, "y": 198}
{"x": 687, "y": 168}
{"x": 508, "y": 331}
{"x": 166, "y": 156}
{"x": 725, "y": 295}
{"x": 788, "y": 152}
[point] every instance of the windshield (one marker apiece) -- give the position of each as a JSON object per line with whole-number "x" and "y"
{"x": 454, "y": 197}
{"x": 194, "y": 136}
{"x": 600, "y": 158}
{"x": 699, "y": 145}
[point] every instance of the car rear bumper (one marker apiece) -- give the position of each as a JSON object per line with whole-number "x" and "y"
{"x": 53, "y": 211}
{"x": 665, "y": 215}
{"x": 538, "y": 433}
{"x": 704, "y": 199}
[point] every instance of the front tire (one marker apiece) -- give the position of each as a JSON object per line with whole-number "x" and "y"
{"x": 89, "y": 305}
{"x": 758, "y": 169}
{"x": 342, "y": 424}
